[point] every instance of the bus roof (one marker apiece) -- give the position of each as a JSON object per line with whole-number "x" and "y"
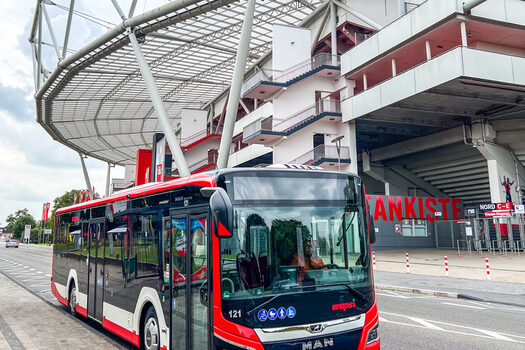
{"x": 149, "y": 188}
{"x": 202, "y": 179}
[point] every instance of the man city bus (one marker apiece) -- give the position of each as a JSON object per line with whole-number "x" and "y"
{"x": 273, "y": 258}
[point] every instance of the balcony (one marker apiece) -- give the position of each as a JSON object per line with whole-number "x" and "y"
{"x": 324, "y": 155}
{"x": 266, "y": 130}
{"x": 265, "y": 83}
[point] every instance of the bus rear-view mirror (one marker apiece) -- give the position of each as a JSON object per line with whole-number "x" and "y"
{"x": 221, "y": 211}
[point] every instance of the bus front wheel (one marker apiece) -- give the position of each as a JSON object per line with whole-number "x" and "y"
{"x": 73, "y": 299}
{"x": 151, "y": 332}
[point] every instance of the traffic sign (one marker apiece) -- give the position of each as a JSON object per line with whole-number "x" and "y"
{"x": 519, "y": 209}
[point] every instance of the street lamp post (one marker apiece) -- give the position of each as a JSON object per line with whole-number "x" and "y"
{"x": 337, "y": 142}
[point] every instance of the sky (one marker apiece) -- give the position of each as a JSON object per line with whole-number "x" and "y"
{"x": 33, "y": 168}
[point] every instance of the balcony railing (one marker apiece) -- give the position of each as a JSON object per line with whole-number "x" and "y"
{"x": 323, "y": 59}
{"x": 328, "y": 152}
{"x": 286, "y": 125}
{"x": 263, "y": 75}
{"x": 320, "y": 107}
{"x": 284, "y": 77}
{"x": 194, "y": 138}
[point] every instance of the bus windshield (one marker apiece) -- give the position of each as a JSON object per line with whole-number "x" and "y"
{"x": 290, "y": 246}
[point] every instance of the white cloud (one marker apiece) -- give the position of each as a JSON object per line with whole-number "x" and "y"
{"x": 34, "y": 168}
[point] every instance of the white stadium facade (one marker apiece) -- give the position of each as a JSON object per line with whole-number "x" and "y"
{"x": 424, "y": 100}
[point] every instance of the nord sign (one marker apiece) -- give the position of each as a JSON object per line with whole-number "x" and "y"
{"x": 496, "y": 206}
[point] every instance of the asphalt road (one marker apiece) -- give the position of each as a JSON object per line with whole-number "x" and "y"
{"x": 407, "y": 321}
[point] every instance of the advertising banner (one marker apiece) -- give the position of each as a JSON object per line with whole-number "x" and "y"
{"x": 27, "y": 232}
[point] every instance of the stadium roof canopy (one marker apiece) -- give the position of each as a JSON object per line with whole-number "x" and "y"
{"x": 95, "y": 101}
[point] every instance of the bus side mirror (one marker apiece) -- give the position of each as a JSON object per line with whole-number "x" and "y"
{"x": 221, "y": 211}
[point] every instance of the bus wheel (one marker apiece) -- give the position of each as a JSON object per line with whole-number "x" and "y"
{"x": 151, "y": 331}
{"x": 73, "y": 299}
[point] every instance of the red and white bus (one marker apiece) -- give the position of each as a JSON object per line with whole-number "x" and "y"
{"x": 233, "y": 259}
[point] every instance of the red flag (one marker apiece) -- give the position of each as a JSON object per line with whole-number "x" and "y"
{"x": 81, "y": 196}
{"x": 93, "y": 194}
{"x": 87, "y": 195}
{"x": 75, "y": 199}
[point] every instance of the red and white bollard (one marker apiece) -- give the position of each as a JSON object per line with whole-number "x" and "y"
{"x": 446, "y": 266}
{"x": 408, "y": 263}
{"x": 374, "y": 260}
{"x": 488, "y": 268}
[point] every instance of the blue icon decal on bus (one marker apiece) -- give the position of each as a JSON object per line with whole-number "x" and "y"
{"x": 262, "y": 315}
{"x": 281, "y": 313}
{"x": 290, "y": 312}
{"x": 272, "y": 314}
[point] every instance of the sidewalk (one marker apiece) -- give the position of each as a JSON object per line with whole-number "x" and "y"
{"x": 430, "y": 262}
{"x": 27, "y": 322}
{"x": 467, "y": 275}
{"x": 489, "y": 291}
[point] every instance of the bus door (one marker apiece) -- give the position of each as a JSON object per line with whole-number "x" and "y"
{"x": 190, "y": 326}
{"x": 97, "y": 231}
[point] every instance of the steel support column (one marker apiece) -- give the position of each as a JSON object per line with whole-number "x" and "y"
{"x": 84, "y": 170}
{"x": 320, "y": 30}
{"x": 68, "y": 27}
{"x": 108, "y": 175}
{"x": 357, "y": 14}
{"x": 235, "y": 88}
{"x": 333, "y": 28}
{"x": 39, "y": 50}
{"x": 158, "y": 105}
{"x": 51, "y": 32}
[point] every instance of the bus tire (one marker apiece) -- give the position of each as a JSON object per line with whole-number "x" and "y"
{"x": 150, "y": 331}
{"x": 73, "y": 299}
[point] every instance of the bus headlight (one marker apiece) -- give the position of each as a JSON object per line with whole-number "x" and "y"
{"x": 372, "y": 334}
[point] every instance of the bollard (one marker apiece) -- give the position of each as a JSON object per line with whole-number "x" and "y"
{"x": 408, "y": 263}
{"x": 374, "y": 260}
{"x": 446, "y": 266}
{"x": 488, "y": 269}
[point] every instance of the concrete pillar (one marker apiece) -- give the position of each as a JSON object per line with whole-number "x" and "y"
{"x": 427, "y": 49}
{"x": 365, "y": 82}
{"x": 502, "y": 165}
{"x": 394, "y": 67}
{"x": 352, "y": 144}
{"x": 464, "y": 41}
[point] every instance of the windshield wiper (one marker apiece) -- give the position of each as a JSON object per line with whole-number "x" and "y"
{"x": 352, "y": 290}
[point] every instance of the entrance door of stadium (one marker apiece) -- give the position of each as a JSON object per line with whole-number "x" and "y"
{"x": 96, "y": 268}
{"x": 190, "y": 314}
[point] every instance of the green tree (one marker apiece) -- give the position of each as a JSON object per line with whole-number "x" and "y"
{"x": 16, "y": 222}
{"x": 65, "y": 200}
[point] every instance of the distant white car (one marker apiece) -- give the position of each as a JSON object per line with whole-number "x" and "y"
{"x": 12, "y": 243}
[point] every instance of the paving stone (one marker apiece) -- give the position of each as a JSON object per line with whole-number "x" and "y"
{"x": 37, "y": 325}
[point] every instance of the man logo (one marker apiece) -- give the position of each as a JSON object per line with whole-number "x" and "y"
{"x": 316, "y": 328}
{"x": 318, "y": 344}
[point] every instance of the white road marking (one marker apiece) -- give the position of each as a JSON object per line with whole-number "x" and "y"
{"x": 26, "y": 267}
{"x": 467, "y": 306}
{"x": 495, "y": 335}
{"x": 48, "y": 275}
{"x": 32, "y": 269}
{"x": 487, "y": 334}
{"x": 425, "y": 323}
{"x": 487, "y": 305}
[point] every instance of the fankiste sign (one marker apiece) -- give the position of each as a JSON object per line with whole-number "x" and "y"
{"x": 397, "y": 208}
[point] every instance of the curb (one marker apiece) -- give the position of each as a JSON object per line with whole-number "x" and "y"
{"x": 418, "y": 291}
{"x": 442, "y": 294}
